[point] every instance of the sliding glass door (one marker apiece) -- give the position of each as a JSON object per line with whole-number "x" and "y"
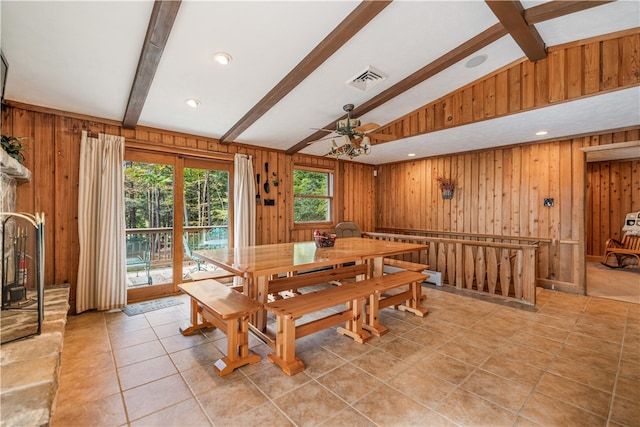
{"x": 173, "y": 207}
{"x": 206, "y": 211}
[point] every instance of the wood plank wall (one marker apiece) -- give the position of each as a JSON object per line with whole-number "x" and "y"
{"x": 613, "y": 190}
{"x": 501, "y": 191}
{"x": 497, "y": 191}
{"x": 570, "y": 71}
{"x": 53, "y": 157}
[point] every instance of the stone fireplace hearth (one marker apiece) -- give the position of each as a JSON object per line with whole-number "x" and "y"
{"x": 29, "y": 367}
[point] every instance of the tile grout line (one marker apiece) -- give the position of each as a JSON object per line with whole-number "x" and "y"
{"x": 615, "y": 382}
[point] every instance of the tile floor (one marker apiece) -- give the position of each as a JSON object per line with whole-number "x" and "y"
{"x": 570, "y": 361}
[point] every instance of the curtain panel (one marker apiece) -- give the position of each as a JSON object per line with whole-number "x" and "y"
{"x": 102, "y": 275}
{"x": 244, "y": 221}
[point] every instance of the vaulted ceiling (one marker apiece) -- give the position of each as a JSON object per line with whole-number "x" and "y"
{"x": 138, "y": 62}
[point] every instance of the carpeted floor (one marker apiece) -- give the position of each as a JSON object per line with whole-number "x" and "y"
{"x": 618, "y": 284}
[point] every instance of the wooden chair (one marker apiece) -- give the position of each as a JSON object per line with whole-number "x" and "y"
{"x": 629, "y": 247}
{"x": 348, "y": 229}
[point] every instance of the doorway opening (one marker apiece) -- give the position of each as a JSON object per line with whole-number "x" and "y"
{"x": 612, "y": 170}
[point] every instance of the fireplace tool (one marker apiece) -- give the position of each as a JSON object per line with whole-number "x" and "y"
{"x": 22, "y": 274}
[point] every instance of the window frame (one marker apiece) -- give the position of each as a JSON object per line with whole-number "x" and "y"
{"x": 330, "y": 197}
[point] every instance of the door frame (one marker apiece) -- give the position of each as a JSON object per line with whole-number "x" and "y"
{"x": 593, "y": 154}
{"x": 179, "y": 162}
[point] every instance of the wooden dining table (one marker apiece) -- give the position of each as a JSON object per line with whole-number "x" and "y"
{"x": 257, "y": 264}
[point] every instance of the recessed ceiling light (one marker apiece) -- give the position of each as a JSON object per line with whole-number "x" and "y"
{"x": 411, "y": 154}
{"x": 542, "y": 132}
{"x": 222, "y": 58}
{"x": 475, "y": 61}
{"x": 193, "y": 103}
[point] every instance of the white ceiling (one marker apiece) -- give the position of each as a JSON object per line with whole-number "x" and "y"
{"x": 82, "y": 57}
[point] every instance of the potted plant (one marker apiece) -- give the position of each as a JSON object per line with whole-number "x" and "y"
{"x": 446, "y": 186}
{"x": 14, "y": 147}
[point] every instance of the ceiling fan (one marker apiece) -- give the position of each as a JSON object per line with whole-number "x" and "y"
{"x": 353, "y": 139}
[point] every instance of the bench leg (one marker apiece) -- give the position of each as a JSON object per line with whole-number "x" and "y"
{"x": 238, "y": 353}
{"x": 285, "y": 355}
{"x": 373, "y": 324}
{"x": 353, "y": 327}
{"x": 413, "y": 304}
{"x": 197, "y": 322}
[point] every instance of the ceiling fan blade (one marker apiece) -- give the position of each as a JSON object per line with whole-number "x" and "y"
{"x": 322, "y": 139}
{"x": 367, "y": 127}
{"x": 324, "y": 130}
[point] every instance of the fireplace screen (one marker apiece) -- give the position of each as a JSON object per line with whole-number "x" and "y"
{"x": 22, "y": 275}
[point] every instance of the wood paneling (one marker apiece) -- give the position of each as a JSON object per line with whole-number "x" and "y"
{"x": 497, "y": 191}
{"x": 569, "y": 72}
{"x": 501, "y": 192}
{"x": 53, "y": 141}
{"x": 614, "y": 191}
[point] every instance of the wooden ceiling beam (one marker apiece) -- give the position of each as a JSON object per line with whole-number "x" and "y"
{"x": 540, "y": 13}
{"x": 354, "y": 22}
{"x": 555, "y": 9}
{"x": 162, "y": 18}
{"x": 445, "y": 61}
{"x": 511, "y": 14}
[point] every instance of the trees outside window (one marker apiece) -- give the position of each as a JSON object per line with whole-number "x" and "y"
{"x": 312, "y": 195}
{"x": 162, "y": 195}
{"x": 148, "y": 191}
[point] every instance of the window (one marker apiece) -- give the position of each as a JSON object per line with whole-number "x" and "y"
{"x": 312, "y": 195}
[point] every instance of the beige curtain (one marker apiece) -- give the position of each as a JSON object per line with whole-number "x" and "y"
{"x": 102, "y": 275}
{"x": 244, "y": 196}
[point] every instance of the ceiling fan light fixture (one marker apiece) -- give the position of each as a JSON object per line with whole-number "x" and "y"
{"x": 353, "y": 142}
{"x": 222, "y": 58}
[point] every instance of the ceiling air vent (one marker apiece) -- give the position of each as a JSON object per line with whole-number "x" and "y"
{"x": 367, "y": 79}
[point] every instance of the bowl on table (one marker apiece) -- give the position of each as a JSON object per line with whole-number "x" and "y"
{"x": 323, "y": 241}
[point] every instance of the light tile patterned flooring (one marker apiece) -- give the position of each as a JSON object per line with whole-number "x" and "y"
{"x": 571, "y": 361}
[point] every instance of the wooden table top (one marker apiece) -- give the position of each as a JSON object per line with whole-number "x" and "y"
{"x": 253, "y": 261}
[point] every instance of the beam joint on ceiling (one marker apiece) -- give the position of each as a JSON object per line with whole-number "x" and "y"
{"x": 467, "y": 48}
{"x": 540, "y": 13}
{"x": 162, "y": 18}
{"x": 511, "y": 15}
{"x": 354, "y": 22}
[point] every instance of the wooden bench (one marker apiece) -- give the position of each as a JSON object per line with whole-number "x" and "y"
{"x": 352, "y": 294}
{"x": 213, "y": 304}
{"x": 407, "y": 300}
{"x": 405, "y": 265}
{"x": 214, "y": 274}
{"x": 629, "y": 247}
{"x": 293, "y": 283}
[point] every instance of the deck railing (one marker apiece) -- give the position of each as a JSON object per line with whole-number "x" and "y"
{"x": 496, "y": 268}
{"x": 157, "y": 243}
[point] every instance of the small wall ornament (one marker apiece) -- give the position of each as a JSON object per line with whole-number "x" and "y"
{"x": 446, "y": 186}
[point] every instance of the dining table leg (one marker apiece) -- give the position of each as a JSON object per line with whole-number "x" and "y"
{"x": 377, "y": 266}
{"x": 256, "y": 288}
